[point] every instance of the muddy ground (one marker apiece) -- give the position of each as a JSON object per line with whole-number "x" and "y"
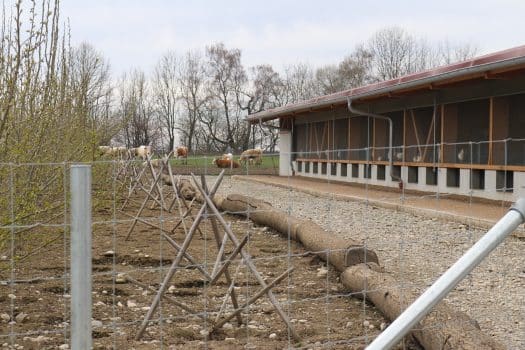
{"x": 36, "y": 314}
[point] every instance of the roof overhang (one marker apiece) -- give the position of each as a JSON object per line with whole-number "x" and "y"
{"x": 485, "y": 67}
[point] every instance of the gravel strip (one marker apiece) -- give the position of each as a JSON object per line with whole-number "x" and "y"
{"x": 418, "y": 249}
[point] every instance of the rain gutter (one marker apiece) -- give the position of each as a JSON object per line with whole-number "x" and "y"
{"x": 392, "y": 86}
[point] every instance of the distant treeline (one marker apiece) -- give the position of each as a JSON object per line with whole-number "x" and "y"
{"x": 59, "y": 102}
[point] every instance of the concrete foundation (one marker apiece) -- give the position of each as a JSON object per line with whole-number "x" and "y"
{"x": 478, "y": 183}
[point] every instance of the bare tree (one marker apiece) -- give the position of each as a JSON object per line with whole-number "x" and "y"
{"x": 135, "y": 110}
{"x": 396, "y": 53}
{"x": 92, "y": 91}
{"x": 450, "y": 53}
{"x": 393, "y": 51}
{"x": 193, "y": 84}
{"x": 329, "y": 79}
{"x": 353, "y": 71}
{"x": 166, "y": 92}
{"x": 262, "y": 92}
{"x": 356, "y": 69}
{"x": 298, "y": 84}
{"x": 227, "y": 76}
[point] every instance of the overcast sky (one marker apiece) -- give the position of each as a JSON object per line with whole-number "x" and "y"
{"x": 133, "y": 33}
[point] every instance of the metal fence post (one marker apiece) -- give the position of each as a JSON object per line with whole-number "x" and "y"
{"x": 80, "y": 187}
{"x": 435, "y": 293}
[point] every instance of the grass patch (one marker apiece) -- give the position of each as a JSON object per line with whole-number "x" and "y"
{"x": 205, "y": 161}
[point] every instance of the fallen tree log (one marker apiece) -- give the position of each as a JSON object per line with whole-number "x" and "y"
{"x": 443, "y": 328}
{"x": 339, "y": 252}
{"x": 184, "y": 186}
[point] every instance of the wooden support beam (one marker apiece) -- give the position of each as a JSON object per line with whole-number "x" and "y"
{"x": 404, "y": 134}
{"x": 416, "y": 132}
{"x": 186, "y": 214}
{"x": 217, "y": 236}
{"x": 267, "y": 289}
{"x": 177, "y": 260}
{"x": 174, "y": 244}
{"x": 441, "y": 154}
{"x": 494, "y": 76}
{"x": 158, "y": 186}
{"x": 220, "y": 255}
{"x": 155, "y": 181}
{"x": 348, "y": 141}
{"x": 229, "y": 260}
{"x": 373, "y": 139}
{"x": 429, "y": 135}
{"x": 491, "y": 128}
{"x": 248, "y": 261}
{"x": 136, "y": 181}
{"x": 169, "y": 298}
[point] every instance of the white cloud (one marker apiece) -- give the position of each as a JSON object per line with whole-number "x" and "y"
{"x": 135, "y": 33}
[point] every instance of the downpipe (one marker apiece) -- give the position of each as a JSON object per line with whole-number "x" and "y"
{"x": 448, "y": 281}
{"x": 354, "y": 110}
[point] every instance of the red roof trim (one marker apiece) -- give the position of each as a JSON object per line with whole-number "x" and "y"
{"x": 500, "y": 56}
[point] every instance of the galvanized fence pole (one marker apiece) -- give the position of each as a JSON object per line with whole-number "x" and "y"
{"x": 435, "y": 293}
{"x": 80, "y": 187}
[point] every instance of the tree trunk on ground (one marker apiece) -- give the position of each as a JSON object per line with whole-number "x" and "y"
{"x": 443, "y": 328}
{"x": 186, "y": 189}
{"x": 328, "y": 246}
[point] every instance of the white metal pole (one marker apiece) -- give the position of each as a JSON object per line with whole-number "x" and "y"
{"x": 80, "y": 187}
{"x": 435, "y": 293}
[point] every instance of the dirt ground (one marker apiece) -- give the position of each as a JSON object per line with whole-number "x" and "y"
{"x": 36, "y": 314}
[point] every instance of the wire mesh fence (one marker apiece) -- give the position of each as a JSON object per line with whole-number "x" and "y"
{"x": 171, "y": 270}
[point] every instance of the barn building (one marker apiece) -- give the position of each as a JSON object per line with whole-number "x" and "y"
{"x": 457, "y": 129}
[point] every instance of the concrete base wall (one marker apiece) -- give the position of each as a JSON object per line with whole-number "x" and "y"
{"x": 466, "y": 182}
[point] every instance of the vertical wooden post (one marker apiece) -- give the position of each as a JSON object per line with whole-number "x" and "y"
{"x": 404, "y": 133}
{"x": 374, "y": 139}
{"x": 491, "y": 128}
{"x": 349, "y": 141}
{"x": 442, "y": 148}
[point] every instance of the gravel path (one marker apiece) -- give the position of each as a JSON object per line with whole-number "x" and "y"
{"x": 417, "y": 250}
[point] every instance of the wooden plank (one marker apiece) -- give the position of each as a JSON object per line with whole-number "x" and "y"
{"x": 442, "y": 133}
{"x": 491, "y": 127}
{"x": 404, "y": 133}
{"x": 374, "y": 139}
{"x": 309, "y": 133}
{"x": 450, "y": 132}
{"x": 348, "y": 141}
{"x": 500, "y": 129}
{"x": 432, "y": 125}
{"x": 330, "y": 129}
{"x": 484, "y": 166}
{"x": 416, "y": 132}
{"x": 316, "y": 137}
{"x": 355, "y": 138}
{"x": 381, "y": 140}
{"x": 323, "y": 137}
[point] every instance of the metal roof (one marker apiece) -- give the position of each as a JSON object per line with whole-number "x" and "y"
{"x": 501, "y": 61}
